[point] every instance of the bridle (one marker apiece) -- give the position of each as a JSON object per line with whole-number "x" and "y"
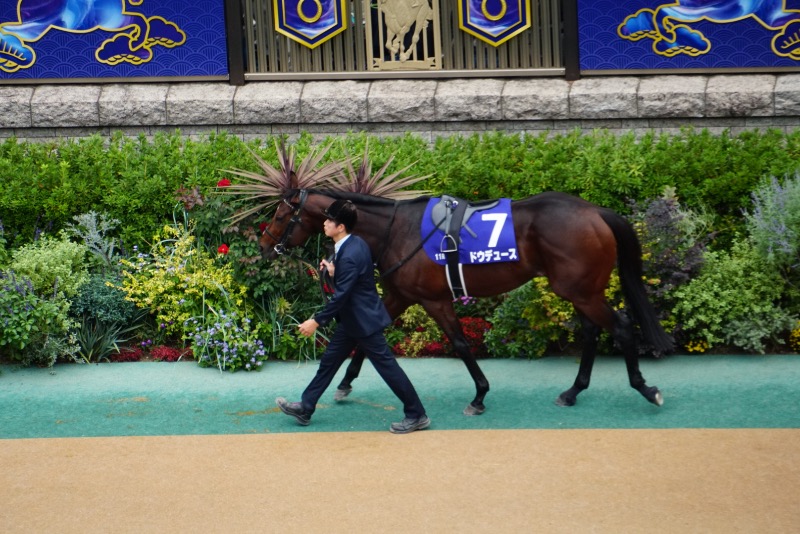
{"x": 280, "y": 246}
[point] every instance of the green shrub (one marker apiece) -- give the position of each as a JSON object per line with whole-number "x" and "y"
{"x": 178, "y": 281}
{"x": 420, "y": 336}
{"x": 100, "y": 300}
{"x": 674, "y": 240}
{"x": 94, "y": 231}
{"x": 105, "y": 318}
{"x": 773, "y": 224}
{"x": 4, "y": 253}
{"x": 33, "y": 330}
{"x": 529, "y": 320}
{"x": 52, "y": 265}
{"x": 735, "y": 288}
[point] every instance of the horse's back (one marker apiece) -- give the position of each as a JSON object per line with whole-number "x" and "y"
{"x": 566, "y": 238}
{"x": 553, "y": 210}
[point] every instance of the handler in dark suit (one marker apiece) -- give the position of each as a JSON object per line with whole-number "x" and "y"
{"x": 361, "y": 318}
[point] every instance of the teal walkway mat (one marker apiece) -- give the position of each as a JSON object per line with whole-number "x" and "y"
{"x": 124, "y": 399}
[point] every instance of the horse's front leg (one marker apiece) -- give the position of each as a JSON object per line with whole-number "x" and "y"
{"x": 445, "y": 316}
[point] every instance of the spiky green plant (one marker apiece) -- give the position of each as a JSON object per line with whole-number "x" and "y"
{"x": 262, "y": 191}
{"x": 362, "y": 180}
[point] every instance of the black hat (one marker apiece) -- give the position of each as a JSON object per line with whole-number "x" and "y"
{"x": 342, "y": 212}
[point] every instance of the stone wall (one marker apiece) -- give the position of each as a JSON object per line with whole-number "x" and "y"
{"x": 429, "y": 108}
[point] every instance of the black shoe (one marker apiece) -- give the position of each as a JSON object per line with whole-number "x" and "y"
{"x": 410, "y": 425}
{"x": 295, "y": 409}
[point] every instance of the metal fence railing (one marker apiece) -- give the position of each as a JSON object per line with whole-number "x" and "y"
{"x": 267, "y": 54}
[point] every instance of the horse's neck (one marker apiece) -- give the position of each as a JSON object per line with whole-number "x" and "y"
{"x": 389, "y": 234}
{"x": 373, "y": 226}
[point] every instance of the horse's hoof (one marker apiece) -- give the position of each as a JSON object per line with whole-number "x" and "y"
{"x": 341, "y": 394}
{"x": 562, "y": 400}
{"x": 653, "y": 395}
{"x": 474, "y": 410}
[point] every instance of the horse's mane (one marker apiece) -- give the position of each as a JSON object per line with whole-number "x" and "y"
{"x": 365, "y": 200}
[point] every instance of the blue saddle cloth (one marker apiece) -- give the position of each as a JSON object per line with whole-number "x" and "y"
{"x": 494, "y": 239}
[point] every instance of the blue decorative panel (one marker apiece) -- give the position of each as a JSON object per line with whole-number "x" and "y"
{"x": 41, "y": 39}
{"x": 494, "y": 21}
{"x": 310, "y": 22}
{"x": 684, "y": 34}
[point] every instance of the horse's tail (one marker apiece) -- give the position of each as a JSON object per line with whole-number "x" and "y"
{"x": 629, "y": 265}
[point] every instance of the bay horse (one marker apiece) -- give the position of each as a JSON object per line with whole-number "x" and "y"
{"x": 572, "y": 242}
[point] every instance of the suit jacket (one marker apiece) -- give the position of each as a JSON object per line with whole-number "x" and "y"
{"x": 355, "y": 303}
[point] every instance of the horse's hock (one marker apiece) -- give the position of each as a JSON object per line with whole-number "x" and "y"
{"x": 429, "y": 108}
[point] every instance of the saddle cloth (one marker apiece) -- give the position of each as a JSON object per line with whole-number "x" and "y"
{"x": 487, "y": 236}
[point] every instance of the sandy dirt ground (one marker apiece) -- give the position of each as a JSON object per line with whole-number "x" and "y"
{"x": 551, "y": 481}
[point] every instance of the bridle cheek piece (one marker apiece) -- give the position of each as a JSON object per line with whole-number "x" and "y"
{"x": 280, "y": 247}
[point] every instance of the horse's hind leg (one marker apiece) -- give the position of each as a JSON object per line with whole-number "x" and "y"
{"x": 345, "y": 387}
{"x": 596, "y": 312}
{"x": 591, "y": 332}
{"x": 623, "y": 335}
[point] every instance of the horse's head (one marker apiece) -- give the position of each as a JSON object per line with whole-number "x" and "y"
{"x": 298, "y": 216}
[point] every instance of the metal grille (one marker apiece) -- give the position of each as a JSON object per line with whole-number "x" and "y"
{"x": 270, "y": 55}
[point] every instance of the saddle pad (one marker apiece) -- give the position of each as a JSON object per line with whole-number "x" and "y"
{"x": 495, "y": 241}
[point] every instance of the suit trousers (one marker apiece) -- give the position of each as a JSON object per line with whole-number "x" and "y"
{"x": 377, "y": 350}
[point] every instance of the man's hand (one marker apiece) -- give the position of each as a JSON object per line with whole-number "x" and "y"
{"x": 327, "y": 265}
{"x": 308, "y": 327}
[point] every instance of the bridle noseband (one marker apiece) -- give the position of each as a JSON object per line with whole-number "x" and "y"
{"x": 280, "y": 246}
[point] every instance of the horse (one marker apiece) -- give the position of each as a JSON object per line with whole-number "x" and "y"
{"x": 136, "y": 33}
{"x": 574, "y": 243}
{"x": 667, "y": 24}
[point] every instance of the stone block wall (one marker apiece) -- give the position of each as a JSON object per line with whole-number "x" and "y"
{"x": 429, "y": 108}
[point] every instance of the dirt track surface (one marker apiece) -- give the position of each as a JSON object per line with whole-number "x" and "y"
{"x": 620, "y": 481}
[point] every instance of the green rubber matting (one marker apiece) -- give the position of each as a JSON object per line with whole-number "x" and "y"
{"x": 150, "y": 398}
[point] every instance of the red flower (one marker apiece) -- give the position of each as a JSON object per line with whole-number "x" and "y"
{"x": 326, "y": 288}
{"x": 262, "y": 227}
{"x": 223, "y": 249}
{"x": 224, "y": 183}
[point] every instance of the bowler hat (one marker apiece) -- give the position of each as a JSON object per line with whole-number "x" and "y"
{"x": 342, "y": 212}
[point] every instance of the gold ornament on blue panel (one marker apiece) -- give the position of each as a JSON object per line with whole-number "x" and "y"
{"x": 310, "y": 22}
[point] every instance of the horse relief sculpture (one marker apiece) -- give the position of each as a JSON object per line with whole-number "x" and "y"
{"x": 668, "y": 25}
{"x": 136, "y": 33}
{"x": 400, "y": 17}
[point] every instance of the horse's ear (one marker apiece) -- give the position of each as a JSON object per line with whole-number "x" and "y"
{"x": 293, "y": 181}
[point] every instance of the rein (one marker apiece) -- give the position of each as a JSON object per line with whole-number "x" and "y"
{"x": 385, "y": 242}
{"x": 405, "y": 260}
